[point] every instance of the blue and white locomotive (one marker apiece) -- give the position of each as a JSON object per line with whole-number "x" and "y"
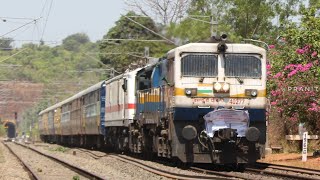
{"x": 194, "y": 80}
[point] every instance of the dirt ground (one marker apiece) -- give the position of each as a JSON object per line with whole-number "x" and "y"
{"x": 293, "y": 159}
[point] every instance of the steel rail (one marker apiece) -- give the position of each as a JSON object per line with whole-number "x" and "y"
{"x": 31, "y": 173}
{"x": 91, "y": 154}
{"x": 256, "y": 168}
{"x": 206, "y": 171}
{"x": 289, "y": 168}
{"x": 79, "y": 170}
{"x": 163, "y": 173}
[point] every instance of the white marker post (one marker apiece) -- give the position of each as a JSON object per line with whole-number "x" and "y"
{"x": 304, "y": 146}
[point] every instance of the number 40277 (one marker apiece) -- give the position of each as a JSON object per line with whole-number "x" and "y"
{"x": 236, "y": 101}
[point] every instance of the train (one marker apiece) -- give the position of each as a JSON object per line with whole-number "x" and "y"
{"x": 201, "y": 102}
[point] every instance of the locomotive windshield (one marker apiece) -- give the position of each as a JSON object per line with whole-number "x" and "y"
{"x": 199, "y": 65}
{"x": 237, "y": 65}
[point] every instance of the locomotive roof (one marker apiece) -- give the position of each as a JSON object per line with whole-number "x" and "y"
{"x": 212, "y": 47}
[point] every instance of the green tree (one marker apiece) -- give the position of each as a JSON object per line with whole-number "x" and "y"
{"x": 250, "y": 17}
{"x": 5, "y": 43}
{"x": 239, "y": 19}
{"x": 119, "y": 54}
{"x": 74, "y": 41}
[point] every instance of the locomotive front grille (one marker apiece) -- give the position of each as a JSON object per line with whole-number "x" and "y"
{"x": 199, "y": 65}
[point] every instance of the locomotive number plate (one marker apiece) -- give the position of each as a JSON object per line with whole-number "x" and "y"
{"x": 236, "y": 101}
{"x": 233, "y": 101}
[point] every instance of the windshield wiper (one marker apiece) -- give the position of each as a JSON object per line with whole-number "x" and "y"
{"x": 239, "y": 80}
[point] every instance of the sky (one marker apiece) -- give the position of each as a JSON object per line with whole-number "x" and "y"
{"x": 65, "y": 17}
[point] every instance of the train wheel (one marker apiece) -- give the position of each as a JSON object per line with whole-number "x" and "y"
{"x": 183, "y": 165}
{"x": 241, "y": 167}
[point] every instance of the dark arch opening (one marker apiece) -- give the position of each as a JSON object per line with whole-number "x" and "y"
{"x": 11, "y": 130}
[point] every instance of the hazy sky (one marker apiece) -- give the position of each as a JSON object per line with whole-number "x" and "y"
{"x": 66, "y": 17}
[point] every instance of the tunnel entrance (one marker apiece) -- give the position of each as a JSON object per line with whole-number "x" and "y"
{"x": 11, "y": 130}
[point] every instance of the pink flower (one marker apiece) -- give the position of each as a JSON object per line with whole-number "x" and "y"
{"x": 280, "y": 110}
{"x": 277, "y": 75}
{"x": 309, "y": 65}
{"x": 292, "y": 73}
{"x": 300, "y": 51}
{"x": 307, "y": 47}
{"x": 312, "y": 109}
{"x": 289, "y": 66}
{"x": 314, "y": 54}
{"x": 273, "y": 103}
{"x": 293, "y": 119}
{"x": 271, "y": 46}
{"x": 299, "y": 66}
{"x": 268, "y": 66}
{"x": 313, "y": 105}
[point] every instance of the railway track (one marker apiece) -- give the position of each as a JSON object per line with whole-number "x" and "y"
{"x": 74, "y": 168}
{"x": 284, "y": 171}
{"x": 27, "y": 167}
{"x": 165, "y": 173}
{"x": 91, "y": 154}
{"x": 264, "y": 170}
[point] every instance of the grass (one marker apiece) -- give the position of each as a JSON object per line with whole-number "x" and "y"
{"x": 59, "y": 149}
{"x": 76, "y": 177}
{"x": 2, "y": 159}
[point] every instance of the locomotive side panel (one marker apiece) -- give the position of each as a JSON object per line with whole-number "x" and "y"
{"x": 120, "y": 100}
{"x": 115, "y": 103}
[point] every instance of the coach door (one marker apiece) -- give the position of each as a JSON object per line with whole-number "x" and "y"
{"x": 121, "y": 100}
{"x": 102, "y": 107}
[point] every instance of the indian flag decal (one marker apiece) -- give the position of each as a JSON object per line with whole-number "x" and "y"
{"x": 205, "y": 88}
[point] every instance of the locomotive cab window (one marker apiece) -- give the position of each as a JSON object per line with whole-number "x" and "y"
{"x": 240, "y": 65}
{"x": 199, "y": 65}
{"x": 144, "y": 80}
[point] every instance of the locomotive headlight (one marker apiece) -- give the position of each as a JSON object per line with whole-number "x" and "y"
{"x": 188, "y": 92}
{"x": 217, "y": 86}
{"x": 254, "y": 93}
{"x": 251, "y": 92}
{"x": 226, "y": 87}
{"x": 191, "y": 91}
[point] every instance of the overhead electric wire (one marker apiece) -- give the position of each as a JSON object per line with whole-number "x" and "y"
{"x": 139, "y": 40}
{"x": 1, "y": 17}
{"x": 149, "y": 30}
{"x": 16, "y": 35}
{"x": 208, "y": 22}
{"x": 33, "y": 21}
{"x": 45, "y": 24}
{"x": 43, "y": 7}
{"x": 13, "y": 55}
